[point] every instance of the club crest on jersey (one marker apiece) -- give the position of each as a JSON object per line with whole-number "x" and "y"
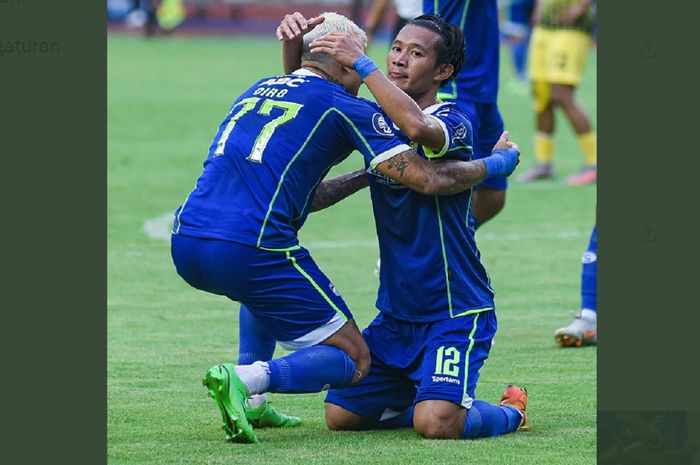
{"x": 380, "y": 125}
{"x": 459, "y": 132}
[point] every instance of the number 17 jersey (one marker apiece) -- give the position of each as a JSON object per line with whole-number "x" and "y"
{"x": 276, "y": 144}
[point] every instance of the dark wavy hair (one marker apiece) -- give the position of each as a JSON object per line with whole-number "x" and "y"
{"x": 451, "y": 46}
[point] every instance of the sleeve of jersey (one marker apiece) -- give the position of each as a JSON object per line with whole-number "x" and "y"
{"x": 371, "y": 133}
{"x": 458, "y": 136}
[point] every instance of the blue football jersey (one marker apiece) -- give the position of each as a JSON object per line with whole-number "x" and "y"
{"x": 278, "y": 141}
{"x": 478, "y": 79}
{"x": 430, "y": 267}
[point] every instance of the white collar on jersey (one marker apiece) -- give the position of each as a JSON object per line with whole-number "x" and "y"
{"x": 306, "y": 72}
{"x": 434, "y": 107}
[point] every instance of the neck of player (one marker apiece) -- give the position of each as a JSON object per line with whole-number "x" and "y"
{"x": 425, "y": 99}
{"x": 321, "y": 70}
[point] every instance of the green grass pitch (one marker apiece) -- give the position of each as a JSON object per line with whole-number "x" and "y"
{"x": 166, "y": 98}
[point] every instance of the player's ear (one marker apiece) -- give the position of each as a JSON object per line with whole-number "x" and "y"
{"x": 444, "y": 72}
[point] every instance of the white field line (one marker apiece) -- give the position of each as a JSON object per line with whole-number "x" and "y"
{"x": 158, "y": 228}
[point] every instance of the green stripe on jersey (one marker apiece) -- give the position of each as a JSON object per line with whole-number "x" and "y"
{"x": 444, "y": 257}
{"x": 296, "y": 155}
{"x": 466, "y": 360}
{"x": 316, "y": 286}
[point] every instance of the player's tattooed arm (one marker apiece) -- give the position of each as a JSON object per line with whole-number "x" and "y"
{"x": 334, "y": 190}
{"x": 444, "y": 177}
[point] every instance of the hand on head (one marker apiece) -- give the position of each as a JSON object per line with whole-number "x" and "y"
{"x": 346, "y": 48}
{"x": 294, "y": 26}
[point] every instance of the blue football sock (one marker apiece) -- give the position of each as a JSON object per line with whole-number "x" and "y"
{"x": 520, "y": 58}
{"x": 312, "y": 369}
{"x": 485, "y": 420}
{"x": 589, "y": 274}
{"x": 255, "y": 342}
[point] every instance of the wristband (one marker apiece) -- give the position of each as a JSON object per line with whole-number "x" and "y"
{"x": 501, "y": 163}
{"x": 492, "y": 165}
{"x": 364, "y": 66}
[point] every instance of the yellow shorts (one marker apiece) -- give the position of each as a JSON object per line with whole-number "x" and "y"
{"x": 558, "y": 56}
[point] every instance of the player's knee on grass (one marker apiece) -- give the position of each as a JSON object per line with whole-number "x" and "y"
{"x": 339, "y": 419}
{"x": 439, "y": 419}
{"x": 487, "y": 203}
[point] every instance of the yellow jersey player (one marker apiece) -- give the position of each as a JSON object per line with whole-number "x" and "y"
{"x": 559, "y": 50}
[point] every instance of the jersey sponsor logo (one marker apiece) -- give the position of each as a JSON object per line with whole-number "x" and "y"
{"x": 287, "y": 81}
{"x": 445, "y": 379}
{"x": 589, "y": 257}
{"x": 380, "y": 125}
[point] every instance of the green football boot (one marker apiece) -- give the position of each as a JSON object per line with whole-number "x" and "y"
{"x": 267, "y": 416}
{"x": 230, "y": 394}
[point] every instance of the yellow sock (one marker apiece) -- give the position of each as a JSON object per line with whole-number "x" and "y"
{"x": 587, "y": 142}
{"x": 544, "y": 148}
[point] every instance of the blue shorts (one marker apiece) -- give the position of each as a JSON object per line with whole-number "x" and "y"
{"x": 487, "y": 126}
{"x": 412, "y": 362}
{"x": 285, "y": 290}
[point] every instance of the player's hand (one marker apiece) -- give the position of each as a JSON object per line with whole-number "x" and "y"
{"x": 503, "y": 142}
{"x": 504, "y": 158}
{"x": 346, "y": 48}
{"x": 294, "y": 26}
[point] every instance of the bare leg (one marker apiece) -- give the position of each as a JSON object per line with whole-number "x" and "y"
{"x": 563, "y": 96}
{"x": 487, "y": 203}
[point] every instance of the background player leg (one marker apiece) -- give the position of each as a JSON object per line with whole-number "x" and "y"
{"x": 583, "y": 330}
{"x": 563, "y": 97}
{"x": 544, "y": 140}
{"x": 489, "y": 197}
{"x": 486, "y": 203}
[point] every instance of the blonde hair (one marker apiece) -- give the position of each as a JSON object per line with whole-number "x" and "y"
{"x": 334, "y": 22}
